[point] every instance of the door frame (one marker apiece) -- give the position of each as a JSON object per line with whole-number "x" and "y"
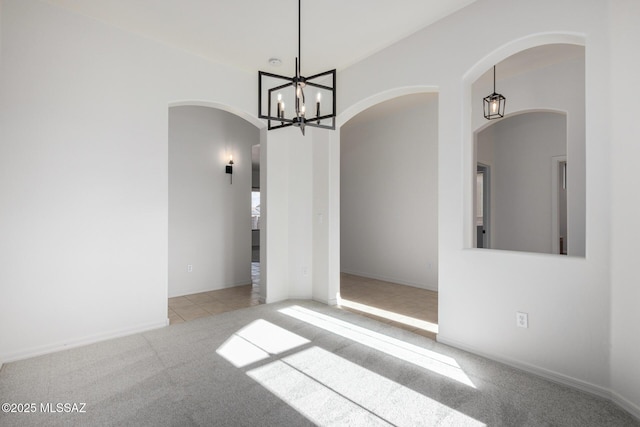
{"x": 555, "y": 217}
{"x": 486, "y": 203}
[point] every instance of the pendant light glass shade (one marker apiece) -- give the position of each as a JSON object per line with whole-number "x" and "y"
{"x": 493, "y": 105}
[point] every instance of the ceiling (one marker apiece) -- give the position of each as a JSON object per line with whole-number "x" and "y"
{"x": 335, "y": 33}
{"x": 247, "y": 33}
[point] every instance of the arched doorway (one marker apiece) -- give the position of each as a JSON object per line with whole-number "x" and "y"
{"x": 210, "y": 233}
{"x": 521, "y": 196}
{"x": 388, "y": 211}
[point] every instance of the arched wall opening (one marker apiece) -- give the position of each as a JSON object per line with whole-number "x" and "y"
{"x": 521, "y": 192}
{"x": 210, "y": 233}
{"x": 389, "y": 201}
{"x": 544, "y": 72}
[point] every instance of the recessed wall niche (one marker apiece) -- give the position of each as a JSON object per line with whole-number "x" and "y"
{"x": 529, "y": 167}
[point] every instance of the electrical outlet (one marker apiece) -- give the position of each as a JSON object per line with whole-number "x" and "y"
{"x": 522, "y": 319}
{"x": 189, "y": 268}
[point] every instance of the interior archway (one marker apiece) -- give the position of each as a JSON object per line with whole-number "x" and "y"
{"x": 210, "y": 238}
{"x": 521, "y": 193}
{"x": 388, "y": 210}
{"x": 537, "y": 73}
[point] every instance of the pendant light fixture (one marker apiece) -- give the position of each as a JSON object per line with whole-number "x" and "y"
{"x": 288, "y": 101}
{"x": 494, "y": 103}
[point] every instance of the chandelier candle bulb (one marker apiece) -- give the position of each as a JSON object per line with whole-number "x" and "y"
{"x": 279, "y": 105}
{"x": 318, "y": 98}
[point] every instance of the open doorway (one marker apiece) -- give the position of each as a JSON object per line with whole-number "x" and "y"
{"x": 483, "y": 194}
{"x": 562, "y": 209}
{"x": 209, "y": 247}
{"x": 255, "y": 216}
{"x": 559, "y": 226}
{"x": 388, "y": 218}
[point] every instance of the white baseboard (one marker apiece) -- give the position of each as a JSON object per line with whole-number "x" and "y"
{"x": 625, "y": 404}
{"x": 536, "y": 370}
{"x": 198, "y": 291}
{"x": 329, "y": 302}
{"x": 52, "y": 348}
{"x": 300, "y": 297}
{"x": 427, "y": 286}
{"x": 556, "y": 377}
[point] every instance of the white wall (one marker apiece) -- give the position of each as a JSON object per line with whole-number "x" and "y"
{"x": 255, "y": 172}
{"x": 209, "y": 218}
{"x": 288, "y": 228}
{"x": 326, "y": 216}
{"x": 567, "y": 298}
{"x": 300, "y": 186}
{"x": 84, "y": 166}
{"x": 625, "y": 234}
{"x": 389, "y": 192}
{"x": 519, "y": 150}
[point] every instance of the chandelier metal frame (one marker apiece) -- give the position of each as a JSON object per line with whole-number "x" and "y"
{"x": 325, "y": 81}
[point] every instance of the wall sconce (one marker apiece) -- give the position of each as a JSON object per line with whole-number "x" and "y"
{"x": 229, "y": 169}
{"x": 494, "y": 104}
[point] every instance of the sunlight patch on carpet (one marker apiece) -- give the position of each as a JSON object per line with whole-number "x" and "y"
{"x": 431, "y": 360}
{"x": 257, "y": 341}
{"x": 314, "y": 379}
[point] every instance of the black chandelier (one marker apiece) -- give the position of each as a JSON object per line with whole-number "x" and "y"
{"x": 494, "y": 103}
{"x": 292, "y": 89}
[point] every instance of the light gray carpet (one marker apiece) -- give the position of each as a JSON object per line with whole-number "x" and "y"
{"x": 294, "y": 363}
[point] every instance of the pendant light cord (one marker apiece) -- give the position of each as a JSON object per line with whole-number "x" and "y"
{"x": 299, "y": 31}
{"x": 494, "y": 79}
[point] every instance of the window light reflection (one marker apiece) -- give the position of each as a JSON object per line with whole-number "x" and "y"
{"x": 396, "y": 317}
{"x": 315, "y": 379}
{"x": 427, "y": 359}
{"x": 257, "y": 341}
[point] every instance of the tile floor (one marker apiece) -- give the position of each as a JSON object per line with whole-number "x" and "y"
{"x": 418, "y": 308}
{"x": 407, "y": 301}
{"x": 194, "y": 306}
